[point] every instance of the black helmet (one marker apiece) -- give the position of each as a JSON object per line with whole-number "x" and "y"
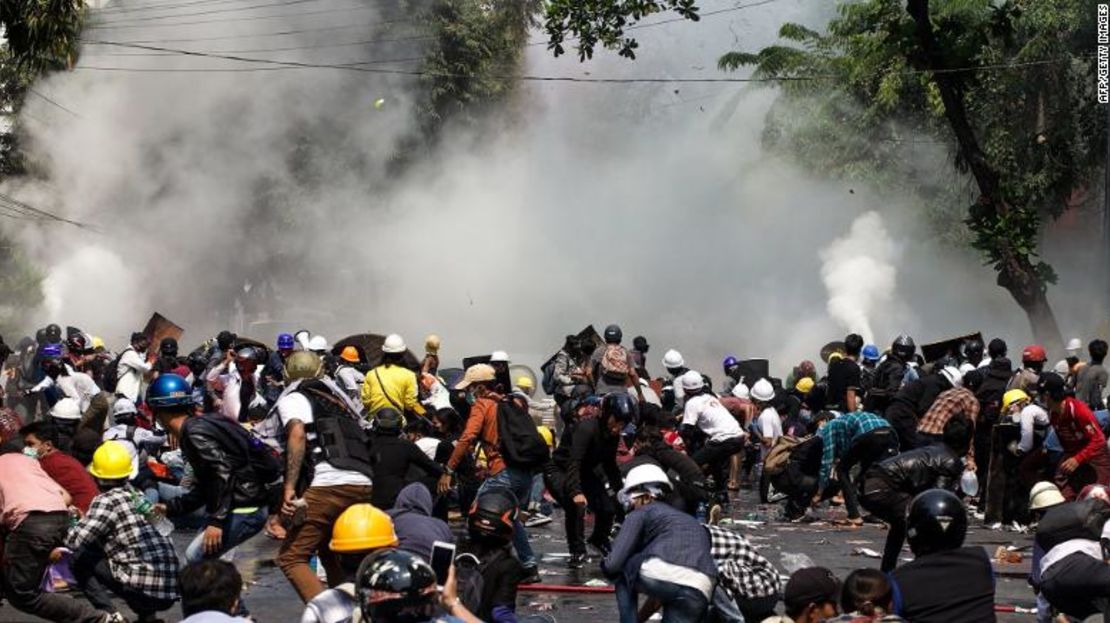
{"x": 935, "y": 521}
{"x": 396, "y": 586}
{"x": 973, "y": 349}
{"x": 388, "y": 421}
{"x": 619, "y": 406}
{"x": 168, "y": 347}
{"x": 904, "y": 347}
{"x": 53, "y": 334}
{"x": 613, "y": 334}
{"x": 493, "y": 513}
{"x": 1052, "y": 385}
{"x": 640, "y": 343}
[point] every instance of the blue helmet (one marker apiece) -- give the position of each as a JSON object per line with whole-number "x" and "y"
{"x": 51, "y": 351}
{"x": 729, "y": 362}
{"x": 169, "y": 391}
{"x": 870, "y": 353}
{"x": 285, "y": 341}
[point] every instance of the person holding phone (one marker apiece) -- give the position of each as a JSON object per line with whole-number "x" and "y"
{"x": 400, "y": 587}
{"x": 490, "y": 525}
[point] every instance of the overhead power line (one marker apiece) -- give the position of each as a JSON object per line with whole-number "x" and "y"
{"x": 51, "y": 102}
{"x": 253, "y": 18}
{"x": 365, "y": 42}
{"x": 16, "y": 206}
{"x": 151, "y": 18}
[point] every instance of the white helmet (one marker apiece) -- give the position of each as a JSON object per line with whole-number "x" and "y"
{"x": 763, "y": 391}
{"x": 741, "y": 391}
{"x": 394, "y": 344}
{"x": 122, "y": 407}
{"x": 1044, "y": 494}
{"x": 1074, "y": 344}
{"x": 318, "y": 343}
{"x": 499, "y": 356}
{"x": 66, "y": 409}
{"x": 646, "y": 474}
{"x": 1062, "y": 368}
{"x": 673, "y": 359}
{"x": 692, "y": 381}
{"x": 952, "y": 373}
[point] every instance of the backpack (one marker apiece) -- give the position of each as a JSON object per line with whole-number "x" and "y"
{"x": 261, "y": 460}
{"x": 468, "y": 578}
{"x": 521, "y": 444}
{"x": 110, "y": 379}
{"x": 547, "y": 382}
{"x": 614, "y": 363}
{"x": 778, "y": 457}
{"x": 1072, "y": 520}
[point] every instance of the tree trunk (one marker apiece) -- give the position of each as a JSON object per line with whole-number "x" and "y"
{"x": 1016, "y": 273}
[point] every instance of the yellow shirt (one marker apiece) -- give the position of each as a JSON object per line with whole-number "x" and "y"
{"x": 398, "y": 383}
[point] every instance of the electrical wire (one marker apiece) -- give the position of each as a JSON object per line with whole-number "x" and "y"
{"x": 13, "y": 205}
{"x": 253, "y": 18}
{"x": 266, "y": 5}
{"x": 364, "y": 42}
{"x": 52, "y": 102}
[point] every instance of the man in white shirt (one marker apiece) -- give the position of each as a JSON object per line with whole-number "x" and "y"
{"x": 245, "y": 371}
{"x": 1075, "y": 576}
{"x": 133, "y": 368}
{"x": 702, "y": 411}
{"x": 332, "y": 488}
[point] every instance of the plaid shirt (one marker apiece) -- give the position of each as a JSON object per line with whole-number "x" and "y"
{"x": 948, "y": 404}
{"x": 138, "y": 556}
{"x": 839, "y": 434}
{"x": 741, "y": 570}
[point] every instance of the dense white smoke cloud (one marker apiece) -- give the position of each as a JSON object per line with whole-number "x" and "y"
{"x": 654, "y": 206}
{"x": 859, "y": 273}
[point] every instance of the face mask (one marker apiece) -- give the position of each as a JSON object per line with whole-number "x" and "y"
{"x": 30, "y": 452}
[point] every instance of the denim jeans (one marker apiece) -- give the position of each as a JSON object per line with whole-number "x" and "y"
{"x": 238, "y": 527}
{"x": 520, "y": 483}
{"x": 681, "y": 604}
{"x": 727, "y": 610}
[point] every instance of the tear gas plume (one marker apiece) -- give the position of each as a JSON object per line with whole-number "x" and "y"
{"x": 859, "y": 274}
{"x": 263, "y": 199}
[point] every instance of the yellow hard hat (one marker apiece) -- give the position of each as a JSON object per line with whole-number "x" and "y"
{"x": 804, "y": 385}
{"x": 362, "y": 527}
{"x": 833, "y": 356}
{"x": 547, "y": 435}
{"x": 1012, "y": 396}
{"x": 349, "y": 354}
{"x": 525, "y": 382}
{"x": 111, "y": 461}
{"x": 97, "y": 342}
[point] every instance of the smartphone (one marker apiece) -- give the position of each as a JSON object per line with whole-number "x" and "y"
{"x": 443, "y": 556}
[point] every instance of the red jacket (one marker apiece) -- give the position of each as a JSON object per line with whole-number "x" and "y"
{"x": 1078, "y": 430}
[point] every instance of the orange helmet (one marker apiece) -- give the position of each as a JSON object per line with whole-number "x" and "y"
{"x": 349, "y": 354}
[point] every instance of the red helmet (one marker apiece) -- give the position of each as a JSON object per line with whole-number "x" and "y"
{"x": 1034, "y": 354}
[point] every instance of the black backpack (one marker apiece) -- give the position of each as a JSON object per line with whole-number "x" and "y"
{"x": 110, "y": 379}
{"x": 1073, "y": 520}
{"x": 547, "y": 382}
{"x": 521, "y": 444}
{"x": 261, "y": 460}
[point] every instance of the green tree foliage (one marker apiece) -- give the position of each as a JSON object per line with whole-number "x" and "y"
{"x": 42, "y": 34}
{"x": 1007, "y": 86}
{"x": 593, "y": 22}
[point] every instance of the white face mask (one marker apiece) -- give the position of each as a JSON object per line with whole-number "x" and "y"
{"x": 30, "y": 452}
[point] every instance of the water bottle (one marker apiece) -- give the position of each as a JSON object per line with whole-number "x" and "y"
{"x": 969, "y": 484}
{"x": 164, "y": 526}
{"x": 701, "y": 512}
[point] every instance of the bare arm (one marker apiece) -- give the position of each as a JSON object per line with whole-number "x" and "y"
{"x": 296, "y": 441}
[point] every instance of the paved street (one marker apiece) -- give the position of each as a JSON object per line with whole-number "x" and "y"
{"x": 272, "y": 600}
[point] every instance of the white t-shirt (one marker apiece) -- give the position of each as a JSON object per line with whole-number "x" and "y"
{"x": 350, "y": 379}
{"x": 295, "y": 406}
{"x": 770, "y": 424}
{"x": 438, "y": 397}
{"x": 428, "y": 446}
{"x": 76, "y": 385}
{"x": 132, "y": 367}
{"x": 1029, "y": 416}
{"x": 136, "y": 444}
{"x": 1071, "y": 546}
{"x": 709, "y": 415}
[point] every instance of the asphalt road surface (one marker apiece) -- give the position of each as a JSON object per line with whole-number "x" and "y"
{"x": 271, "y": 599}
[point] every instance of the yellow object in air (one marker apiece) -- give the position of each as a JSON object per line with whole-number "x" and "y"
{"x": 378, "y": 103}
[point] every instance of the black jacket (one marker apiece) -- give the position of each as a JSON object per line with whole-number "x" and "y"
{"x": 583, "y": 449}
{"x": 885, "y": 384}
{"x": 994, "y": 385}
{"x": 922, "y": 393}
{"x": 945, "y": 587}
{"x": 225, "y": 479}
{"x": 689, "y": 481}
{"x": 392, "y": 457}
{"x": 930, "y": 467}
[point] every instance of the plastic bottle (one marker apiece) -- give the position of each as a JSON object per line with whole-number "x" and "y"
{"x": 701, "y": 513}
{"x": 145, "y": 507}
{"x": 793, "y": 562}
{"x": 969, "y": 484}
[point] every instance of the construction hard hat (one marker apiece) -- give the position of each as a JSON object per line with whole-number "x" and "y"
{"x": 394, "y": 344}
{"x": 499, "y": 356}
{"x": 362, "y": 527}
{"x": 303, "y": 364}
{"x": 349, "y": 354}
{"x": 66, "y": 409}
{"x": 1043, "y": 495}
{"x": 871, "y": 353}
{"x": 741, "y": 391}
{"x": 673, "y": 359}
{"x": 644, "y": 477}
{"x": 98, "y": 342}
{"x": 431, "y": 344}
{"x": 525, "y": 383}
{"x": 123, "y": 408}
{"x": 1033, "y": 353}
{"x": 763, "y": 391}
{"x": 1012, "y": 396}
{"x": 952, "y": 373}
{"x": 692, "y": 381}
{"x": 548, "y": 436}
{"x": 285, "y": 341}
{"x": 1074, "y": 344}
{"x": 111, "y": 461}
{"x": 804, "y": 385}
{"x": 169, "y": 391}
{"x": 729, "y": 362}
{"x": 477, "y": 373}
{"x": 318, "y": 343}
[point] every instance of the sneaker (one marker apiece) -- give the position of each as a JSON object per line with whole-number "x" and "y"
{"x": 979, "y": 516}
{"x": 994, "y": 526}
{"x": 1017, "y": 527}
{"x": 113, "y": 617}
{"x": 537, "y": 520}
{"x": 531, "y": 575}
{"x": 577, "y": 561}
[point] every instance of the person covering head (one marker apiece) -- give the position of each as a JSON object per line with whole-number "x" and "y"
{"x": 225, "y": 340}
